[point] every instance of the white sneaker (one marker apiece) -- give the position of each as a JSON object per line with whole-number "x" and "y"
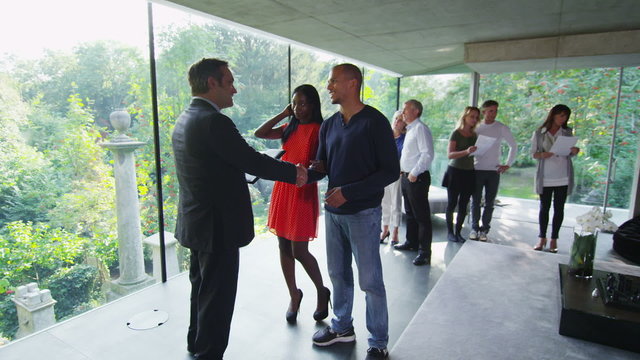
{"x": 473, "y": 235}
{"x": 482, "y": 236}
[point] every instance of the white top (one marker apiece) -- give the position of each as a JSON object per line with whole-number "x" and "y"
{"x": 417, "y": 151}
{"x": 490, "y": 160}
{"x": 555, "y": 167}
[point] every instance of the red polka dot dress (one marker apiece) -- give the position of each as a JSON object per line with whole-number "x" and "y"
{"x": 294, "y": 211}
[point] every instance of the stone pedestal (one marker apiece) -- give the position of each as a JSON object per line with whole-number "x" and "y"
{"x": 132, "y": 275}
{"x": 170, "y": 254}
{"x": 35, "y": 309}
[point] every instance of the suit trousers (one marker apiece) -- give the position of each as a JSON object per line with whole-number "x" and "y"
{"x": 416, "y": 207}
{"x": 214, "y": 283}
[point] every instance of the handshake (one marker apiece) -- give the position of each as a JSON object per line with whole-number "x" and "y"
{"x": 301, "y": 175}
{"x": 333, "y": 197}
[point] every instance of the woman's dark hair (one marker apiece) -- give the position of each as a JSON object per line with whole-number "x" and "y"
{"x": 313, "y": 98}
{"x": 558, "y": 109}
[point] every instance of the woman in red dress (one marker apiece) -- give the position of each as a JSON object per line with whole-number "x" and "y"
{"x": 293, "y": 212}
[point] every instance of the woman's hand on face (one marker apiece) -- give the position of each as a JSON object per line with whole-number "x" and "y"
{"x": 288, "y": 111}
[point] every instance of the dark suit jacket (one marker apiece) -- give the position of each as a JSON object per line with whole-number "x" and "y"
{"x": 214, "y": 209}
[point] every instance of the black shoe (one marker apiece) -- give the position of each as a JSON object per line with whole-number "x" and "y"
{"x": 327, "y": 336}
{"x": 292, "y": 316}
{"x": 321, "y": 315}
{"x": 452, "y": 237}
{"x": 460, "y": 238}
{"x": 405, "y": 246}
{"x": 375, "y": 353}
{"x": 422, "y": 259}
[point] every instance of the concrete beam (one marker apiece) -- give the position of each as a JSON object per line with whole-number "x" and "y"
{"x": 610, "y": 49}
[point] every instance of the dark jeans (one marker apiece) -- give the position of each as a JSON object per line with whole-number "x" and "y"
{"x": 488, "y": 180}
{"x": 461, "y": 186}
{"x": 416, "y": 207}
{"x": 559, "y": 194}
{"x": 214, "y": 282}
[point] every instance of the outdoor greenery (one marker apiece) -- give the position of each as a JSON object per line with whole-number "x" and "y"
{"x": 57, "y": 192}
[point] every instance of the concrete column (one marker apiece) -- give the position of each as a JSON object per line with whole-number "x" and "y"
{"x": 35, "y": 309}
{"x": 132, "y": 275}
{"x": 474, "y": 89}
{"x": 170, "y": 254}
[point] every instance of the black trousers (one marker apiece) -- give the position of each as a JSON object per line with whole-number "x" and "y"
{"x": 416, "y": 207}
{"x": 461, "y": 185}
{"x": 214, "y": 282}
{"x": 559, "y": 194}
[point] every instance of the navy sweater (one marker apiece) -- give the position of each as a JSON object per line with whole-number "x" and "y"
{"x": 360, "y": 157}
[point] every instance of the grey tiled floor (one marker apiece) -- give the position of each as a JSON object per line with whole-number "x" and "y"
{"x": 259, "y": 330}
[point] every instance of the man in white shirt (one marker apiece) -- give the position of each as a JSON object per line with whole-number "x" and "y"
{"x": 415, "y": 161}
{"x": 488, "y": 168}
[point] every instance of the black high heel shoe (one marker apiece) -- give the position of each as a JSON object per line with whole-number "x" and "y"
{"x": 321, "y": 315}
{"x": 292, "y": 316}
{"x": 383, "y": 238}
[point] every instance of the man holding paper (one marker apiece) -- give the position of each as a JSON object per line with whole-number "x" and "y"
{"x": 491, "y": 134}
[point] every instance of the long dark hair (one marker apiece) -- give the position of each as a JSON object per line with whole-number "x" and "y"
{"x": 313, "y": 98}
{"x": 558, "y": 109}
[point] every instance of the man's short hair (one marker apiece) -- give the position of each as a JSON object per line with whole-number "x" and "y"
{"x": 489, "y": 103}
{"x": 416, "y": 105}
{"x": 201, "y": 71}
{"x": 352, "y": 72}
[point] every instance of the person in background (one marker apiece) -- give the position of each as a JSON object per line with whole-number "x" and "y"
{"x": 392, "y": 200}
{"x": 415, "y": 161}
{"x": 488, "y": 169}
{"x": 459, "y": 178}
{"x": 554, "y": 173}
{"x": 294, "y": 211}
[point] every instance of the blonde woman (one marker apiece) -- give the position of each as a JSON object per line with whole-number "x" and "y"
{"x": 459, "y": 178}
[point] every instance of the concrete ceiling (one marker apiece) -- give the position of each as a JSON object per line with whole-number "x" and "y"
{"x": 412, "y": 37}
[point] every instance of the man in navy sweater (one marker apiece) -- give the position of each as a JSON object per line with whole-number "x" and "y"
{"x": 357, "y": 152}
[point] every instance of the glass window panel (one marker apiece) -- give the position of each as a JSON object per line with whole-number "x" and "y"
{"x": 380, "y": 91}
{"x": 443, "y": 98}
{"x": 313, "y": 67}
{"x": 627, "y": 141}
{"x": 525, "y": 99}
{"x": 260, "y": 68}
{"x": 58, "y": 87}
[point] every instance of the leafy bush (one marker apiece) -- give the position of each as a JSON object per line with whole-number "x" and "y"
{"x": 8, "y": 315}
{"x": 74, "y": 288}
{"x": 31, "y": 252}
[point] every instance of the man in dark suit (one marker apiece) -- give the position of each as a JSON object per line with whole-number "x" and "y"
{"x": 214, "y": 211}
